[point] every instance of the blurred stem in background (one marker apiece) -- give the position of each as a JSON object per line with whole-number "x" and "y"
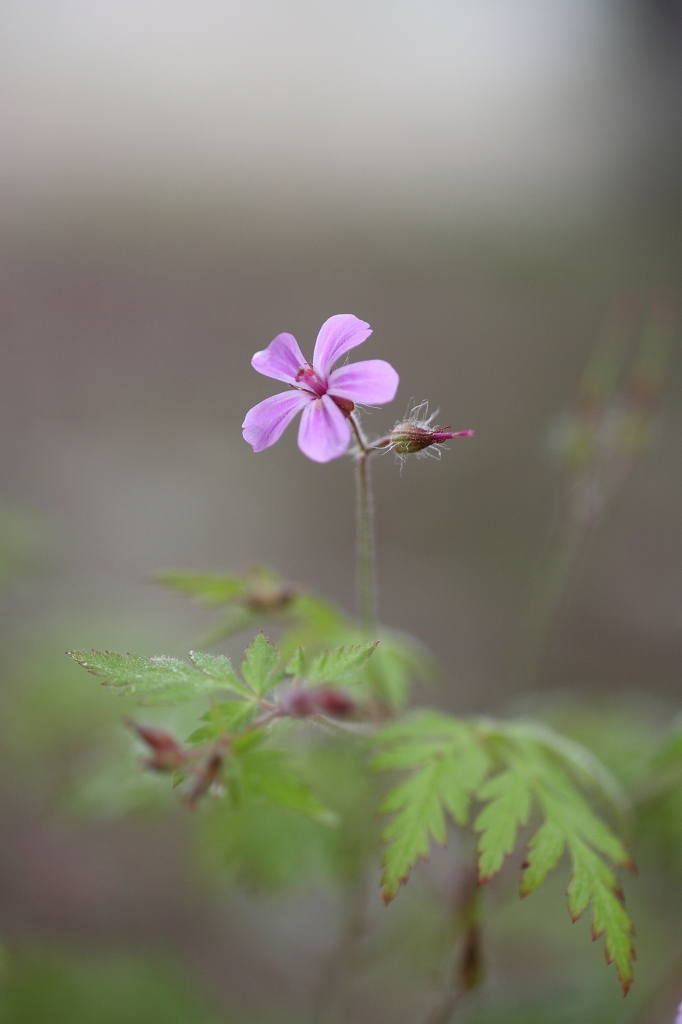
{"x": 597, "y": 444}
{"x": 366, "y": 573}
{"x": 339, "y": 964}
{"x": 467, "y": 973}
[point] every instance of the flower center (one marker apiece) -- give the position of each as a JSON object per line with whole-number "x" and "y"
{"x": 306, "y": 376}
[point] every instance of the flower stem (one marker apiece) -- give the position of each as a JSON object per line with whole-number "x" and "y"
{"x": 366, "y": 578}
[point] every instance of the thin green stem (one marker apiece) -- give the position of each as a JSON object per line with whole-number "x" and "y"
{"x": 366, "y": 578}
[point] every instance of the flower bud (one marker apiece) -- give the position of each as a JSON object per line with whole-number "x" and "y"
{"x": 303, "y": 701}
{"x": 167, "y": 754}
{"x": 334, "y": 702}
{"x": 410, "y": 438}
{"x": 300, "y": 702}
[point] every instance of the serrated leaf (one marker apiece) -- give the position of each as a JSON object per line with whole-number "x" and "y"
{"x": 158, "y": 680}
{"x": 592, "y": 881}
{"x": 545, "y": 848}
{"x": 582, "y": 763}
{"x": 569, "y": 823}
{"x": 420, "y": 817}
{"x": 340, "y": 663}
{"x": 259, "y": 668}
{"x": 296, "y": 665}
{"x": 449, "y": 766}
{"x": 508, "y": 804}
{"x": 219, "y": 668}
{"x": 211, "y": 589}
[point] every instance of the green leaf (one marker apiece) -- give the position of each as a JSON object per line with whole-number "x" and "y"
{"x": 296, "y": 664}
{"x": 340, "y": 663}
{"x": 593, "y": 881}
{"x": 582, "y": 763}
{"x": 218, "y": 667}
{"x": 533, "y": 768}
{"x": 158, "y": 680}
{"x": 538, "y": 773}
{"x": 222, "y": 719}
{"x": 259, "y": 668}
{"x": 449, "y": 766}
{"x": 210, "y": 589}
{"x": 508, "y": 809}
{"x": 399, "y": 660}
{"x": 270, "y": 773}
{"x": 387, "y": 675}
{"x": 545, "y": 848}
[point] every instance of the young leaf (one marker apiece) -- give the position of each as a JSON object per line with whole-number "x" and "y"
{"x": 158, "y": 680}
{"x": 451, "y": 760}
{"x": 538, "y": 773}
{"x": 593, "y": 881}
{"x": 218, "y": 667}
{"x": 259, "y": 668}
{"x": 508, "y": 809}
{"x": 296, "y": 664}
{"x": 340, "y": 663}
{"x": 223, "y": 718}
{"x": 209, "y": 588}
{"x": 449, "y": 766}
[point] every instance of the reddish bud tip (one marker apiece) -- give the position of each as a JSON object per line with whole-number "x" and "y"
{"x": 334, "y": 702}
{"x": 302, "y": 702}
{"x": 167, "y": 754}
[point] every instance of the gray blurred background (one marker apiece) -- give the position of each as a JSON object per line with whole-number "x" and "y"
{"x": 179, "y": 182}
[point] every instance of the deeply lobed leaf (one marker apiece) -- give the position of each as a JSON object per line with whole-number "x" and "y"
{"x": 449, "y": 766}
{"x": 157, "y": 680}
{"x": 219, "y": 668}
{"x": 451, "y": 763}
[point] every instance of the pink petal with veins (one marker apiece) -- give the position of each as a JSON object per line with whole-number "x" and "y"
{"x": 338, "y": 334}
{"x": 267, "y": 421}
{"x": 324, "y": 433}
{"x": 281, "y": 359}
{"x": 371, "y": 382}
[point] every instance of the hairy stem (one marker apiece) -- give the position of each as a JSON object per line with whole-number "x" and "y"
{"x": 366, "y": 578}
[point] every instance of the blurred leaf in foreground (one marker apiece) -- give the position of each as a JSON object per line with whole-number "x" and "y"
{"x": 512, "y": 769}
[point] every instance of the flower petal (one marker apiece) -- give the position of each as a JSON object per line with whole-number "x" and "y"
{"x": 267, "y": 421}
{"x": 324, "y": 433}
{"x": 372, "y": 382}
{"x": 281, "y": 359}
{"x": 337, "y": 335}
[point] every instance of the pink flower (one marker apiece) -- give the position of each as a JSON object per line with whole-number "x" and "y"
{"x": 325, "y": 396}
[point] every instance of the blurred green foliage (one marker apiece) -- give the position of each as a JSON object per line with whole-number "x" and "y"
{"x": 42, "y": 986}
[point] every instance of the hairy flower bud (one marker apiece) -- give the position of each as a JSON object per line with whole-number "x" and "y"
{"x": 411, "y": 438}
